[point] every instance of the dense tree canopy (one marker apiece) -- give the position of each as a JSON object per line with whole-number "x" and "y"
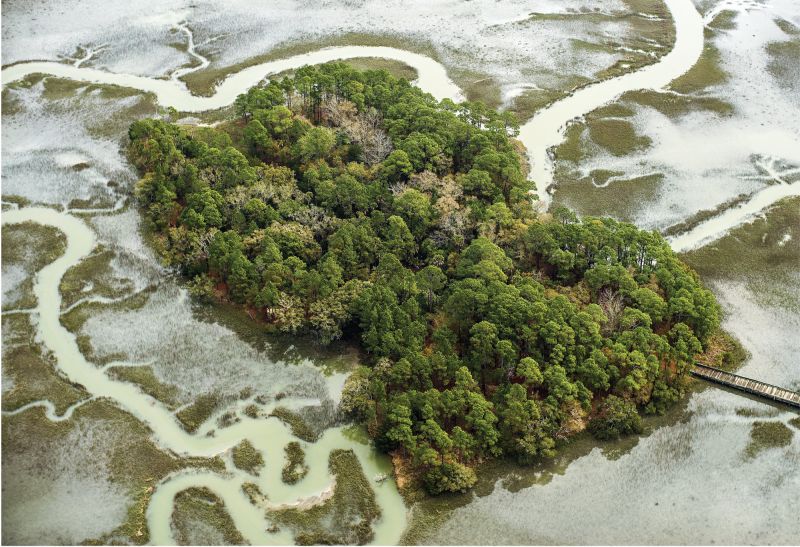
{"x": 345, "y": 203}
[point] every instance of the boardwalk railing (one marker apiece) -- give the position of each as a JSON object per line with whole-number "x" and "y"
{"x": 747, "y": 384}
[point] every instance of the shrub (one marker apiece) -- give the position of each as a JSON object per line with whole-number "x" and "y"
{"x": 616, "y": 417}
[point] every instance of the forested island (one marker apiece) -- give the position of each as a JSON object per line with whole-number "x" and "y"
{"x": 351, "y": 204}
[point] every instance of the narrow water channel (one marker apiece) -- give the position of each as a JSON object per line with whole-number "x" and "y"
{"x": 268, "y": 436}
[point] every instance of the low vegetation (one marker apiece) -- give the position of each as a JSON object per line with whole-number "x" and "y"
{"x": 725, "y": 20}
{"x": 769, "y": 412}
{"x": 199, "y": 510}
{"x": 766, "y": 435}
{"x": 764, "y": 253}
{"x": 675, "y": 105}
{"x": 781, "y": 66}
{"x": 144, "y": 377}
{"x": 29, "y": 373}
{"x": 350, "y": 204}
{"x": 247, "y": 458}
{"x": 295, "y": 467}
{"x": 298, "y": 425}
{"x": 193, "y": 416}
{"x": 134, "y": 462}
{"x": 93, "y": 276}
{"x": 29, "y": 247}
{"x": 617, "y": 136}
{"x": 723, "y": 351}
{"x": 345, "y": 518}
{"x": 706, "y": 73}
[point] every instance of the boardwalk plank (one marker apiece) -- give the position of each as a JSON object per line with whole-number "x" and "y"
{"x": 749, "y": 385}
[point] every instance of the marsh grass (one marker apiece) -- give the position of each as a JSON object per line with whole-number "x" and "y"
{"x": 532, "y": 100}
{"x": 295, "y": 467}
{"x": 10, "y": 103}
{"x": 397, "y": 69}
{"x": 766, "y": 435}
{"x": 757, "y": 413}
{"x": 196, "y": 508}
{"x": 621, "y": 199}
{"x": 56, "y": 88}
{"x": 113, "y": 125}
{"x": 571, "y": 149}
{"x": 725, "y": 20}
{"x": 623, "y": 66}
{"x": 96, "y": 274}
{"x": 757, "y": 253}
{"x": 617, "y": 136}
{"x": 300, "y": 428}
{"x": 30, "y": 246}
{"x": 19, "y": 201}
{"x": 345, "y": 518}
{"x": 783, "y": 65}
{"x": 74, "y": 320}
{"x": 787, "y": 26}
{"x": 247, "y": 458}
{"x": 477, "y": 86}
{"x": 193, "y": 416}
{"x": 706, "y": 214}
{"x": 144, "y": 377}
{"x": 606, "y": 127}
{"x": 612, "y": 110}
{"x": 135, "y": 462}
{"x": 706, "y": 73}
{"x": 254, "y": 494}
{"x": 673, "y": 105}
{"x": 649, "y": 38}
{"x": 203, "y": 82}
{"x": 32, "y": 371}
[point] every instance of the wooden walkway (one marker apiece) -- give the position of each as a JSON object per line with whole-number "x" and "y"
{"x": 755, "y": 387}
